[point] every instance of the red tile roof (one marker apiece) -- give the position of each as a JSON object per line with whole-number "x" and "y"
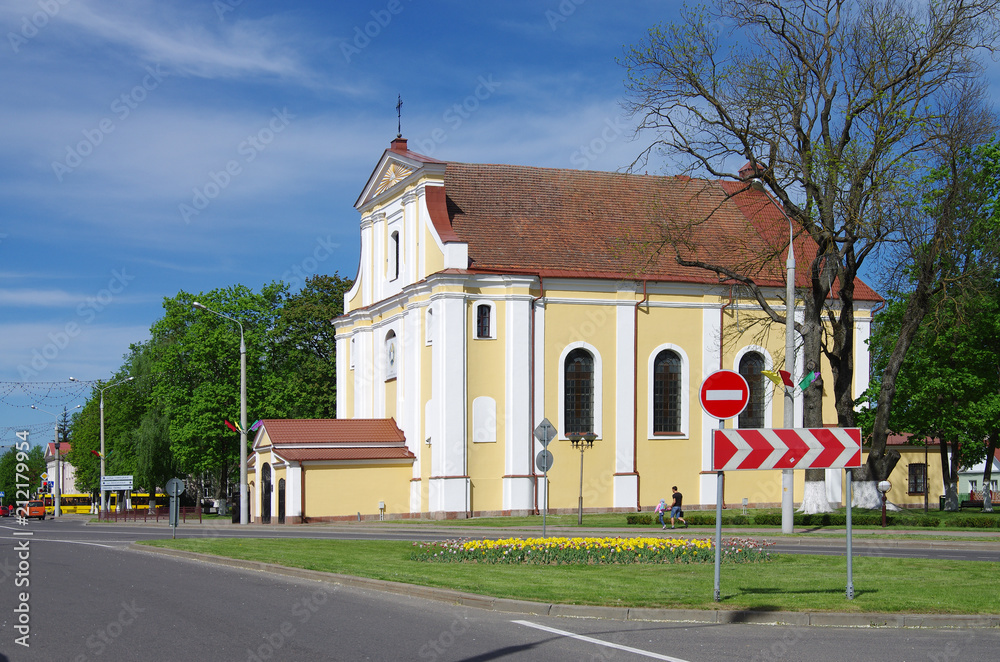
{"x": 64, "y": 449}
{"x": 333, "y": 430}
{"x": 577, "y": 223}
{"x": 303, "y": 440}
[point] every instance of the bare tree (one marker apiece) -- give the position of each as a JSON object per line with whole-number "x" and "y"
{"x": 834, "y": 104}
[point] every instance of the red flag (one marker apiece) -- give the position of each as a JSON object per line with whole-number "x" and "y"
{"x": 230, "y": 426}
{"x": 786, "y": 377}
{"x": 96, "y": 453}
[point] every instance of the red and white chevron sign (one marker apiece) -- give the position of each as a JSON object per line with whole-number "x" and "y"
{"x": 789, "y": 448}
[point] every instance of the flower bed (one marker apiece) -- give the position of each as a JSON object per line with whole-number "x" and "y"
{"x": 590, "y": 551}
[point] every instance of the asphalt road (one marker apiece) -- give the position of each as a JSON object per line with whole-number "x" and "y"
{"x": 92, "y": 598}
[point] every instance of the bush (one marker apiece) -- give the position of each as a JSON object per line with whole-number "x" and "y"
{"x": 767, "y": 519}
{"x": 639, "y": 518}
{"x": 975, "y": 522}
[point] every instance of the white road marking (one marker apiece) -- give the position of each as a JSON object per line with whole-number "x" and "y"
{"x": 591, "y": 640}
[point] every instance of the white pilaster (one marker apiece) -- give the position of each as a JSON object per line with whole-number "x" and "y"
{"x": 449, "y": 483}
{"x": 293, "y": 491}
{"x": 625, "y": 486}
{"x": 519, "y": 441}
{"x": 711, "y": 357}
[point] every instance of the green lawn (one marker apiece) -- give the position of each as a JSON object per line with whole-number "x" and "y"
{"x": 786, "y": 583}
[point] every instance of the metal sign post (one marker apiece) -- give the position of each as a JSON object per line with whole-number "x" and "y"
{"x": 719, "y": 478}
{"x": 175, "y": 488}
{"x": 850, "y": 559}
{"x": 545, "y": 432}
{"x": 724, "y": 394}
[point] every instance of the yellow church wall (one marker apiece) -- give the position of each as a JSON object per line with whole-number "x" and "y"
{"x": 433, "y": 256}
{"x": 390, "y": 398}
{"x": 669, "y": 460}
{"x": 486, "y": 361}
{"x": 347, "y": 489}
{"x": 595, "y": 325}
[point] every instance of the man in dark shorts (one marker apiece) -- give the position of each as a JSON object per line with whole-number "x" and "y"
{"x": 675, "y": 508}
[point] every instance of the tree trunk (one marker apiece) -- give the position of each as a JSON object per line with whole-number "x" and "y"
{"x": 950, "y": 477}
{"x": 987, "y": 490}
{"x": 814, "y": 498}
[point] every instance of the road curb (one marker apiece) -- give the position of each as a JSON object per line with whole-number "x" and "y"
{"x": 506, "y": 605}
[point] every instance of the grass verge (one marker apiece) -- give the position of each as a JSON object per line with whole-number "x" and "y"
{"x": 786, "y": 583}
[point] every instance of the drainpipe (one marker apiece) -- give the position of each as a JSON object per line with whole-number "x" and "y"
{"x": 722, "y": 323}
{"x": 635, "y": 397}
{"x": 531, "y": 388}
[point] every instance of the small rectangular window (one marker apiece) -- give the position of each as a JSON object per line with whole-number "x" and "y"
{"x": 483, "y": 321}
{"x": 917, "y": 479}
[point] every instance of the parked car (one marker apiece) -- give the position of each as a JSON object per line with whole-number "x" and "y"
{"x": 6, "y": 511}
{"x": 36, "y": 509}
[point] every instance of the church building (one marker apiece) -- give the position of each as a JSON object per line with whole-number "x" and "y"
{"x": 490, "y": 298}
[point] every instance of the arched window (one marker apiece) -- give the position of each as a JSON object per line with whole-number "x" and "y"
{"x": 579, "y": 392}
{"x": 667, "y": 393}
{"x": 750, "y": 366}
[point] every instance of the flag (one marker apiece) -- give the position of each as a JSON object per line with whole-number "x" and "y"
{"x": 253, "y": 428}
{"x": 230, "y": 425}
{"x": 773, "y": 376}
{"x": 97, "y": 453}
{"x": 786, "y": 378}
{"x": 807, "y": 380}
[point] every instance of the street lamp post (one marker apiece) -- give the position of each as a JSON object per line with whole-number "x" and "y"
{"x": 787, "y": 475}
{"x": 583, "y": 442}
{"x": 57, "y": 492}
{"x": 104, "y": 498}
{"x": 244, "y": 505}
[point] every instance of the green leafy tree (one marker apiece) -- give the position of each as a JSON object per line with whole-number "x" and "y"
{"x": 196, "y": 365}
{"x": 304, "y": 354}
{"x": 169, "y": 420}
{"x": 29, "y": 464}
{"x": 948, "y": 384}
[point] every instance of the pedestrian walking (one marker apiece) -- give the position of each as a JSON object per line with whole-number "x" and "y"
{"x": 676, "y": 511}
{"x": 661, "y": 510}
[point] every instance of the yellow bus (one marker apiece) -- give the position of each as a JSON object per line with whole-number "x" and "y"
{"x": 140, "y": 500}
{"x": 70, "y": 504}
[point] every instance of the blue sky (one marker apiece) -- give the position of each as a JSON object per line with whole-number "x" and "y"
{"x": 152, "y": 147}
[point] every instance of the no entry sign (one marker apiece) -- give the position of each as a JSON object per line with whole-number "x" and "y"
{"x": 724, "y": 394}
